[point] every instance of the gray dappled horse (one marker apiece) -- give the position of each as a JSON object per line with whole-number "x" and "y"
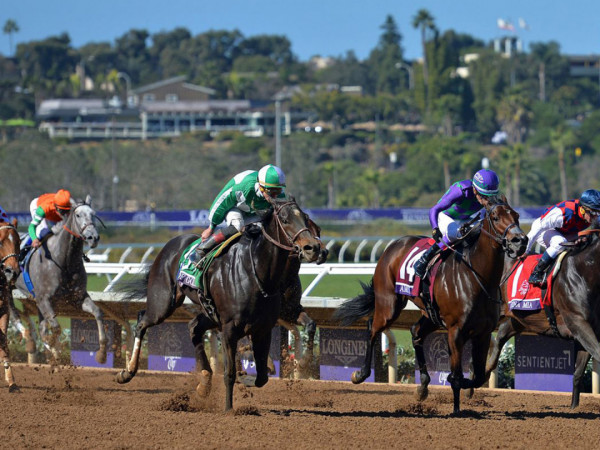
{"x": 58, "y": 275}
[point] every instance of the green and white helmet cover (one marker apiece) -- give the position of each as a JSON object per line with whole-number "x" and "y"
{"x": 271, "y": 176}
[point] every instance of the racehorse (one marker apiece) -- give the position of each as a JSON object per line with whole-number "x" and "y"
{"x": 576, "y": 304}
{"x": 465, "y": 291}
{"x": 9, "y": 265}
{"x": 244, "y": 285}
{"x": 57, "y": 276}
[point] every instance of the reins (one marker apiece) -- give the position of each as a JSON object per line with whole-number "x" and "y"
{"x": 291, "y": 248}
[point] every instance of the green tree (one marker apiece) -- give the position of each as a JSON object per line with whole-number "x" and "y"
{"x": 424, "y": 21}
{"x": 562, "y": 138}
{"x": 383, "y": 59}
{"x": 10, "y": 28}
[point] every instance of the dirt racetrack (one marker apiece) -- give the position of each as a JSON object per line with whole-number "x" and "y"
{"x": 71, "y": 407}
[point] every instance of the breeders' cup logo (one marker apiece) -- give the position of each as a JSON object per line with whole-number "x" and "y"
{"x": 524, "y": 288}
{"x": 171, "y": 342}
{"x": 438, "y": 353}
{"x": 171, "y": 362}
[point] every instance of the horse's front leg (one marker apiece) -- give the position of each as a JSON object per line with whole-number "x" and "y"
{"x": 90, "y": 307}
{"x": 581, "y": 361}
{"x": 197, "y": 327}
{"x": 28, "y": 333}
{"x": 419, "y": 331}
{"x": 4, "y": 355}
{"x": 456, "y": 377}
{"x": 261, "y": 345}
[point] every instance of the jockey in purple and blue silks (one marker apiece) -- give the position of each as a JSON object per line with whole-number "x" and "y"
{"x": 458, "y": 205}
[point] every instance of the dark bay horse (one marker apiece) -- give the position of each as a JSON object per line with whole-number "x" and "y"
{"x": 58, "y": 276}
{"x": 576, "y": 302}
{"x": 465, "y": 290}
{"x": 9, "y": 271}
{"x": 244, "y": 284}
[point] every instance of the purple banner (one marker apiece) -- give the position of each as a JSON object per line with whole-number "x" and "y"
{"x": 85, "y": 343}
{"x": 199, "y": 217}
{"x": 544, "y": 363}
{"x": 437, "y": 358}
{"x": 170, "y": 348}
{"x": 342, "y": 352}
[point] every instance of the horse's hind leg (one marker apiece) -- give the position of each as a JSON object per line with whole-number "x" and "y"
{"x": 197, "y": 327}
{"x": 229, "y": 339}
{"x": 581, "y": 361}
{"x": 4, "y": 356}
{"x": 419, "y": 331}
{"x": 27, "y": 333}
{"x": 127, "y": 374}
{"x": 90, "y": 307}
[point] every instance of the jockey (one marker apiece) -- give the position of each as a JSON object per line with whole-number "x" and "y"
{"x": 46, "y": 210}
{"x": 561, "y": 223}
{"x": 239, "y": 203}
{"x": 457, "y": 205}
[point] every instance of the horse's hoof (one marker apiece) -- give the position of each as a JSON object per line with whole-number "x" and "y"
{"x": 260, "y": 382}
{"x": 101, "y": 358}
{"x": 357, "y": 378}
{"x": 422, "y": 393}
{"x": 123, "y": 377}
{"x": 205, "y": 385}
{"x": 14, "y": 388}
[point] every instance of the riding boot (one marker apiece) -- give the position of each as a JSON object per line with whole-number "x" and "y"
{"x": 421, "y": 265}
{"x": 537, "y": 275}
{"x": 215, "y": 239}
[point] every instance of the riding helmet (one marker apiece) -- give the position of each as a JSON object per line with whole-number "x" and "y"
{"x": 590, "y": 199}
{"x": 271, "y": 176}
{"x": 486, "y": 182}
{"x": 62, "y": 199}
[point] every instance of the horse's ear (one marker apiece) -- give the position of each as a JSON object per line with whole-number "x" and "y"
{"x": 88, "y": 200}
{"x": 14, "y": 222}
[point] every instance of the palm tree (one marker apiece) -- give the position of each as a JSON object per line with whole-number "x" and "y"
{"x": 560, "y": 139}
{"x": 10, "y": 27}
{"x": 424, "y": 20}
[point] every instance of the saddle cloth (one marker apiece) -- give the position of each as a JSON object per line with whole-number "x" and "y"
{"x": 406, "y": 284}
{"x": 523, "y": 296}
{"x": 190, "y": 274}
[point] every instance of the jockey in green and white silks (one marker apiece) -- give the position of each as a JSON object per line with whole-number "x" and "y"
{"x": 240, "y": 202}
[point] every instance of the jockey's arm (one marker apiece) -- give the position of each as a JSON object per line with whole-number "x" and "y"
{"x": 37, "y": 218}
{"x": 221, "y": 206}
{"x": 453, "y": 195}
{"x": 554, "y": 219}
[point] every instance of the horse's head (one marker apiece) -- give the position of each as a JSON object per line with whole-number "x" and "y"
{"x": 9, "y": 250}
{"x": 297, "y": 229}
{"x": 81, "y": 223}
{"x": 503, "y": 226}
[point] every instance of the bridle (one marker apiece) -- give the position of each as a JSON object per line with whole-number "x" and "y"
{"x": 10, "y": 255}
{"x": 281, "y": 230}
{"x": 495, "y": 235}
{"x": 77, "y": 235}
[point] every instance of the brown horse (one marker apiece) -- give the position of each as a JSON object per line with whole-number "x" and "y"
{"x": 9, "y": 265}
{"x": 576, "y": 303}
{"x": 465, "y": 291}
{"x": 244, "y": 284}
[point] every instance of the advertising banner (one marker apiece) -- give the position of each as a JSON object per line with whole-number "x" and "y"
{"x": 544, "y": 363}
{"x": 342, "y": 352}
{"x": 85, "y": 344}
{"x": 437, "y": 358}
{"x": 170, "y": 348}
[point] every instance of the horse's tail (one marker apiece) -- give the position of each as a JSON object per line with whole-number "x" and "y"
{"x": 355, "y": 308}
{"x": 135, "y": 288}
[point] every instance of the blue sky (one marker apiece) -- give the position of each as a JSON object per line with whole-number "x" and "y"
{"x": 325, "y": 27}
